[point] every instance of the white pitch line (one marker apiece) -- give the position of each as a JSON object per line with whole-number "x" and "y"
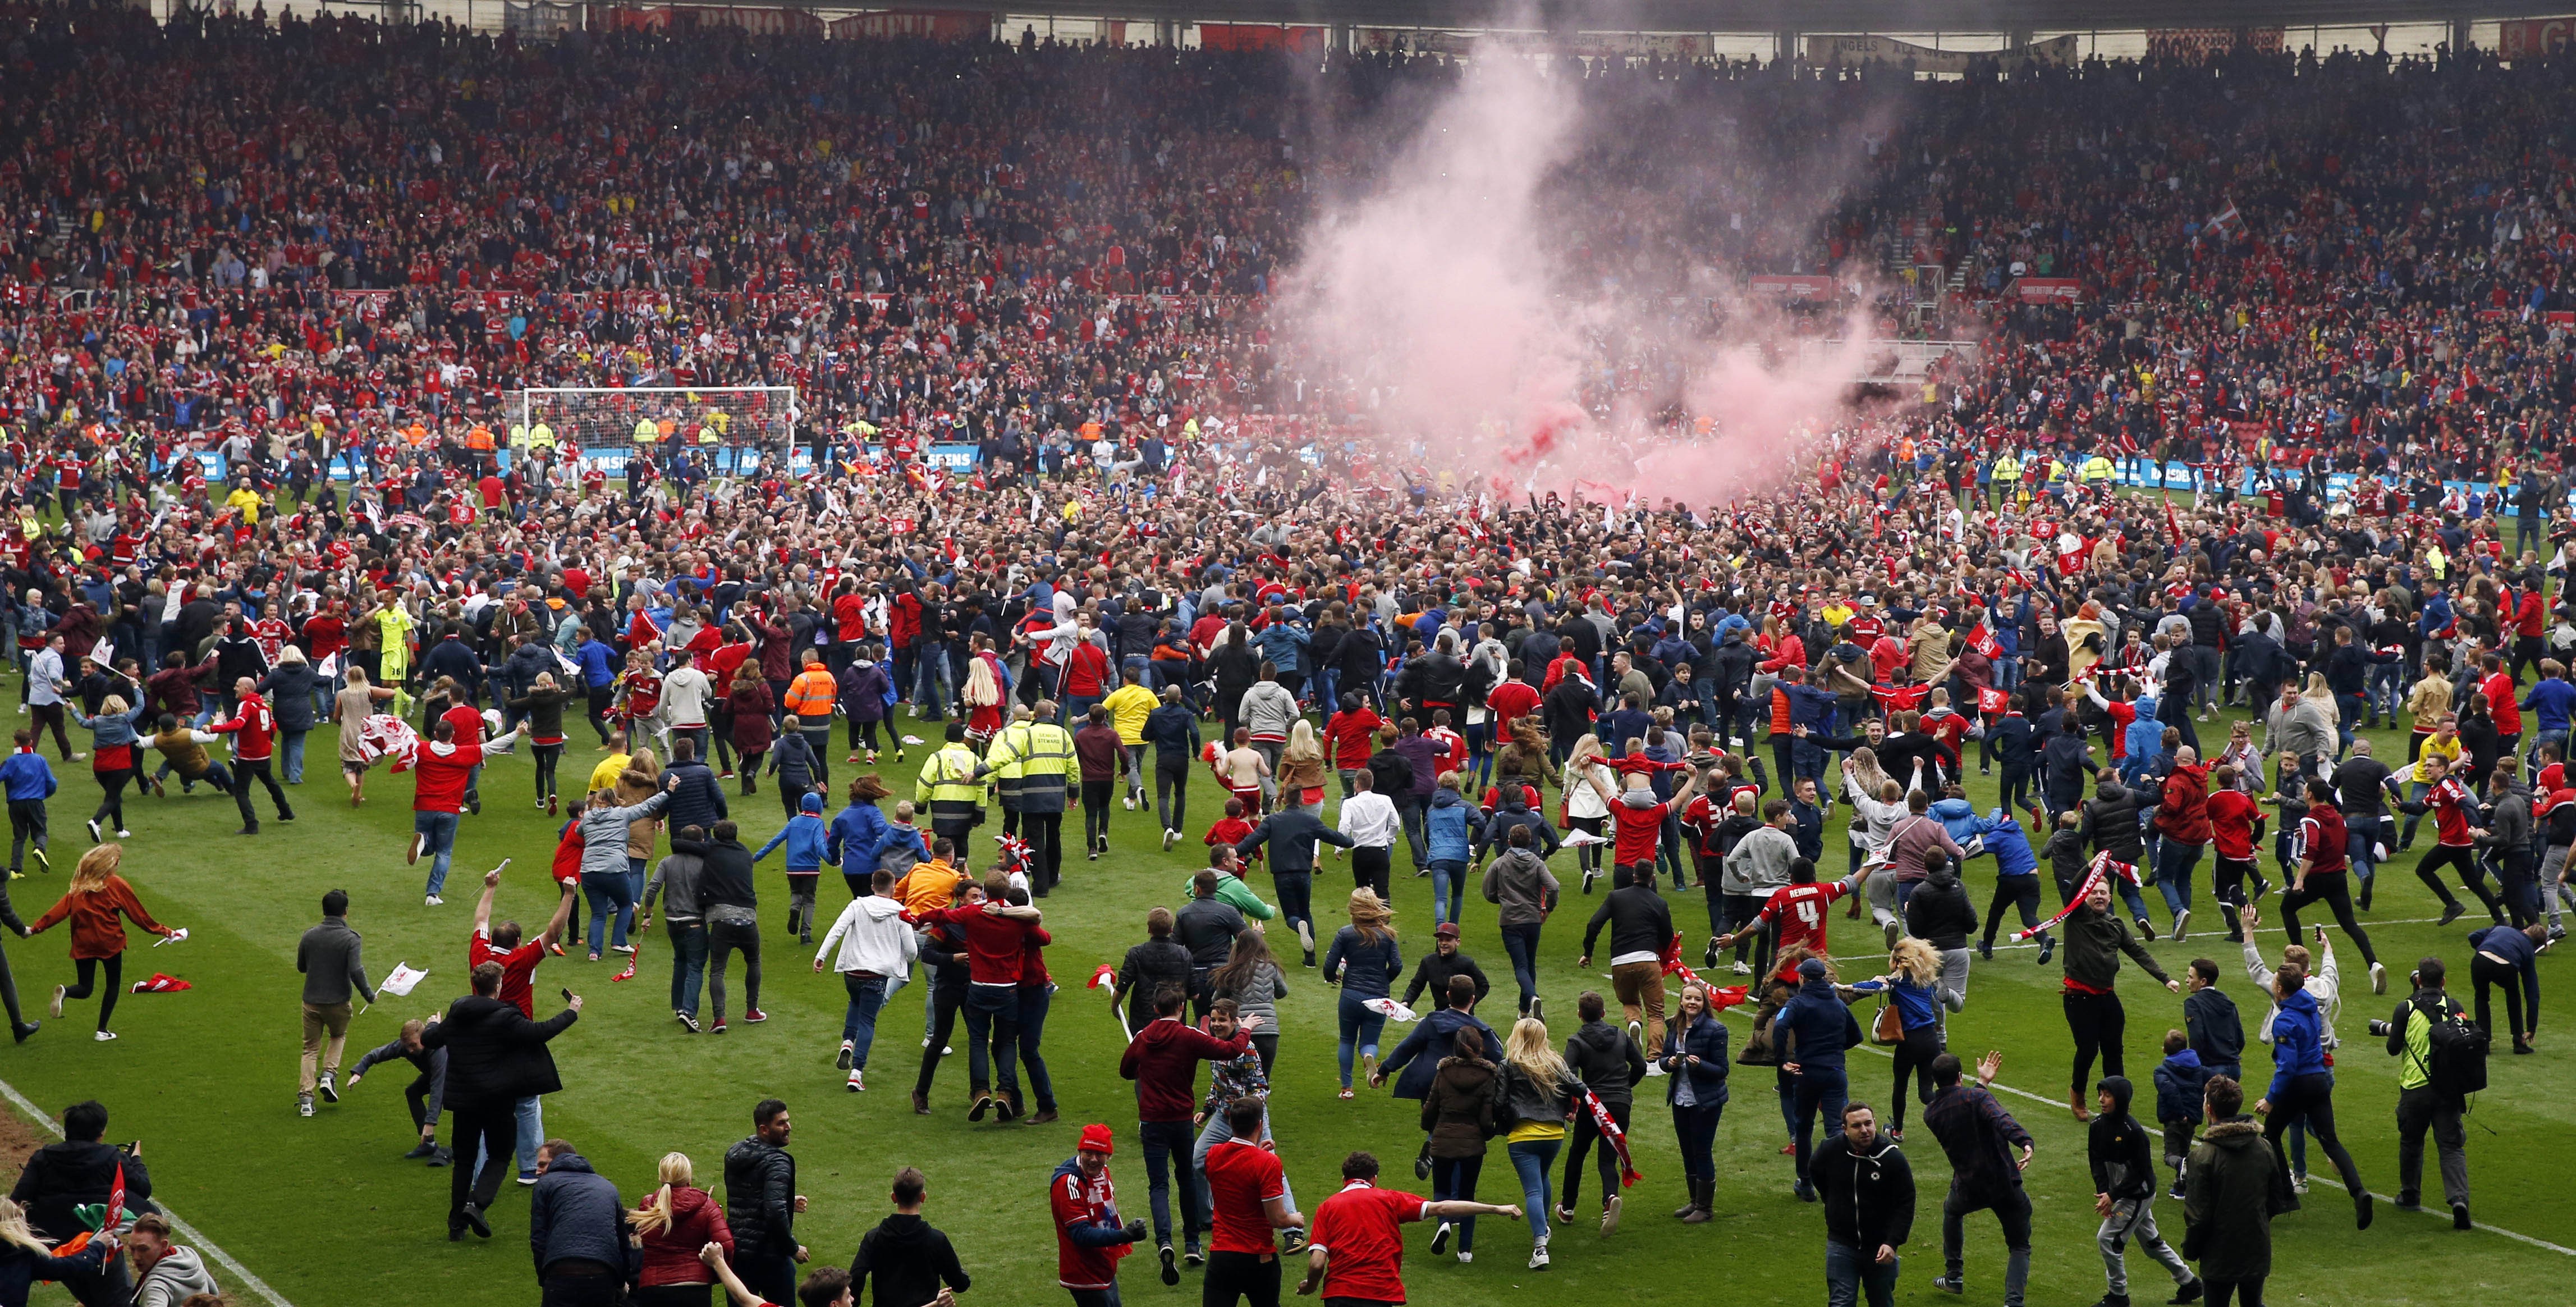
{"x": 2312, "y": 1179}
{"x": 196, "y": 1238}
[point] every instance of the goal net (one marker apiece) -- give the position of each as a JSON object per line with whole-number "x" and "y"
{"x": 730, "y": 426}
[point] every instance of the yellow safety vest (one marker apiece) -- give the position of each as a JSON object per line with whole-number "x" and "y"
{"x": 646, "y": 432}
{"x": 2097, "y": 469}
{"x": 541, "y": 436}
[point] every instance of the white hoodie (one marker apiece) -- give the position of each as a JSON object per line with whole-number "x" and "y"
{"x": 871, "y": 936}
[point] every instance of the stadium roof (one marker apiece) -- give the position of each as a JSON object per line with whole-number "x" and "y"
{"x": 1785, "y": 15}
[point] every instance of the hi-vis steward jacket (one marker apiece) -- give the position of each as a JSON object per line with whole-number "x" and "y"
{"x": 1033, "y": 765}
{"x": 951, "y": 787}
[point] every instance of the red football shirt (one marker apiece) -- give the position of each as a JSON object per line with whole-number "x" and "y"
{"x": 1800, "y": 910}
{"x": 1242, "y": 1176}
{"x": 1362, "y": 1228}
{"x": 518, "y": 969}
{"x": 1640, "y": 830}
{"x": 2232, "y": 814}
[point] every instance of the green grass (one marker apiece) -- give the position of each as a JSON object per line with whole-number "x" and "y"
{"x": 326, "y": 1212}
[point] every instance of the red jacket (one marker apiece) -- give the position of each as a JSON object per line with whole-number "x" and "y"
{"x": 1163, "y": 1059}
{"x": 96, "y": 932}
{"x": 671, "y": 1253}
{"x": 1353, "y": 736}
{"x": 254, "y": 729}
{"x": 1086, "y": 671}
{"x": 440, "y": 785}
{"x": 992, "y": 943}
{"x": 2183, "y": 813}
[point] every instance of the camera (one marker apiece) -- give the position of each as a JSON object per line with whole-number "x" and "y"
{"x": 2380, "y": 1028}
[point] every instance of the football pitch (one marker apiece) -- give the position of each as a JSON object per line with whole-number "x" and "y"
{"x": 325, "y": 1212}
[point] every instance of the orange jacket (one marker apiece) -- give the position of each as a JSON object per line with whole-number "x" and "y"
{"x": 811, "y": 693}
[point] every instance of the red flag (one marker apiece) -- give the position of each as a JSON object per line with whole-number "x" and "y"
{"x": 2173, "y": 524}
{"x": 1106, "y": 975}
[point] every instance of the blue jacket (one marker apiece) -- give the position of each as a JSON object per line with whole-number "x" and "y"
{"x": 1707, "y": 1042}
{"x": 1958, "y": 818}
{"x": 2553, "y": 699}
{"x": 699, "y": 800}
{"x": 1917, "y": 1006}
{"x": 1284, "y": 645}
{"x": 1360, "y": 969}
{"x": 2298, "y": 1043}
{"x": 596, "y": 669}
{"x": 858, "y": 832}
{"x": 1449, "y": 825}
{"x": 27, "y": 776}
{"x": 2179, "y": 1082}
{"x": 1822, "y": 1023}
{"x": 575, "y": 1215}
{"x": 107, "y": 730}
{"x": 1416, "y": 1060}
{"x": 2003, "y": 837}
{"x": 805, "y": 836}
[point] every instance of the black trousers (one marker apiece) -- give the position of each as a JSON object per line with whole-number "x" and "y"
{"x": 1584, "y": 1135}
{"x": 598, "y": 1290}
{"x": 1237, "y": 1277}
{"x": 2309, "y": 1098}
{"x": 1373, "y": 869}
{"x": 2248, "y": 1292}
{"x": 2333, "y": 890}
{"x": 86, "y": 972}
{"x": 2488, "y": 974}
{"x": 246, "y": 770}
{"x": 1171, "y": 789}
{"x": 2011, "y": 891}
{"x": 1914, "y": 1056}
{"x": 2097, "y": 1022}
{"x": 494, "y": 1129}
{"x": 946, "y": 998}
{"x": 1044, "y": 832}
{"x": 2472, "y": 875}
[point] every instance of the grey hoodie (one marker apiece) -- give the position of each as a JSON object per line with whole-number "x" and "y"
{"x": 675, "y": 882}
{"x": 1520, "y": 881}
{"x": 174, "y": 1279}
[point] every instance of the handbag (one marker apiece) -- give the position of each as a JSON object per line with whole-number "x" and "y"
{"x": 1889, "y": 1028}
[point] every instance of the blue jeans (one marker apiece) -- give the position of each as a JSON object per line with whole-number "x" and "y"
{"x": 1361, "y": 1026}
{"x": 1849, "y": 1270}
{"x": 290, "y": 754}
{"x": 932, "y": 684}
{"x": 440, "y": 828}
{"x": 605, "y": 891}
{"x": 1820, "y": 1089}
{"x": 1033, "y": 1014}
{"x": 1448, "y": 889}
{"x": 1218, "y": 1131}
{"x": 1531, "y": 1159}
{"x": 688, "y": 963}
{"x": 859, "y": 1023}
{"x": 1296, "y": 891}
{"x": 1695, "y": 1129}
{"x": 1520, "y": 943}
{"x": 2175, "y": 862}
{"x": 1077, "y": 707}
{"x": 2360, "y": 846}
{"x": 993, "y": 1035}
{"x": 1167, "y": 1143}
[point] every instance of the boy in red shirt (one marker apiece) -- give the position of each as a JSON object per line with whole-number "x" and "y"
{"x": 1248, "y": 1194}
{"x": 1233, "y": 830}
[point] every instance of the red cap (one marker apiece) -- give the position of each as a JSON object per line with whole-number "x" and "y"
{"x": 1095, "y": 1139}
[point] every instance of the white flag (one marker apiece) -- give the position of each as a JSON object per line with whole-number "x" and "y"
{"x": 403, "y": 980}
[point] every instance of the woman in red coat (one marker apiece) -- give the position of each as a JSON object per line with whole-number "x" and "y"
{"x": 675, "y": 1222}
{"x": 751, "y": 702}
{"x": 99, "y": 898}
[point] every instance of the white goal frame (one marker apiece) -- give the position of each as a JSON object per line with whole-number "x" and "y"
{"x": 795, "y": 411}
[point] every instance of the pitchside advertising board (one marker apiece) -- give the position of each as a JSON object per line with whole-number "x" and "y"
{"x": 2526, "y": 37}
{"x": 2146, "y": 474}
{"x": 611, "y": 460}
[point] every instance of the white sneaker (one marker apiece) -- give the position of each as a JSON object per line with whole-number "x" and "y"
{"x": 1465, "y": 1257}
{"x": 1169, "y": 835}
{"x": 2378, "y": 978}
{"x": 1538, "y": 1258}
{"x": 433, "y": 901}
{"x": 858, "y": 1084}
{"x": 59, "y": 991}
{"x": 1742, "y": 968}
{"x": 104, "y": 1036}
{"x": 2298, "y": 1184}
{"x": 1130, "y": 801}
{"x": 412, "y": 857}
{"x": 124, "y": 834}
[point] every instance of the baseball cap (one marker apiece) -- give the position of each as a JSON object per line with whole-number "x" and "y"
{"x": 1095, "y": 1139}
{"x": 1446, "y": 930}
{"x": 1812, "y": 969}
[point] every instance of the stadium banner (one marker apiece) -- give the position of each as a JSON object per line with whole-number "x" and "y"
{"x": 756, "y": 21}
{"x": 2145, "y": 474}
{"x": 937, "y": 24}
{"x": 2527, "y": 37}
{"x": 2203, "y": 42}
{"x": 1261, "y": 36}
{"x": 2047, "y": 290}
{"x": 1794, "y": 285}
{"x": 1851, "y": 50}
{"x": 1584, "y": 45}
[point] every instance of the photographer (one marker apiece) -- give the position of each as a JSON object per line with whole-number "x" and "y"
{"x": 78, "y": 1170}
{"x": 2431, "y": 1088}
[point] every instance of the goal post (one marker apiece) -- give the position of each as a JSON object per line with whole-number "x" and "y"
{"x": 731, "y": 426}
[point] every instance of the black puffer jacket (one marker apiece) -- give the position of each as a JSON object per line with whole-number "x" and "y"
{"x": 2111, "y": 822}
{"x": 1938, "y": 911}
{"x": 760, "y": 1198}
{"x": 1868, "y": 1197}
{"x": 1608, "y": 1061}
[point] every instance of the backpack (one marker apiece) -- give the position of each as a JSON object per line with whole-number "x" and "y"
{"x": 2458, "y": 1067}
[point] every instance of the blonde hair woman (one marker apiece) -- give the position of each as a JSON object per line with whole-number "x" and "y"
{"x": 1538, "y": 1092}
{"x": 97, "y": 905}
{"x": 1301, "y": 769}
{"x": 1590, "y": 788}
{"x": 1913, "y": 985}
{"x": 115, "y": 758}
{"x": 351, "y": 707}
{"x": 25, "y": 1257}
{"x": 1366, "y": 961}
{"x": 672, "y": 1224}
